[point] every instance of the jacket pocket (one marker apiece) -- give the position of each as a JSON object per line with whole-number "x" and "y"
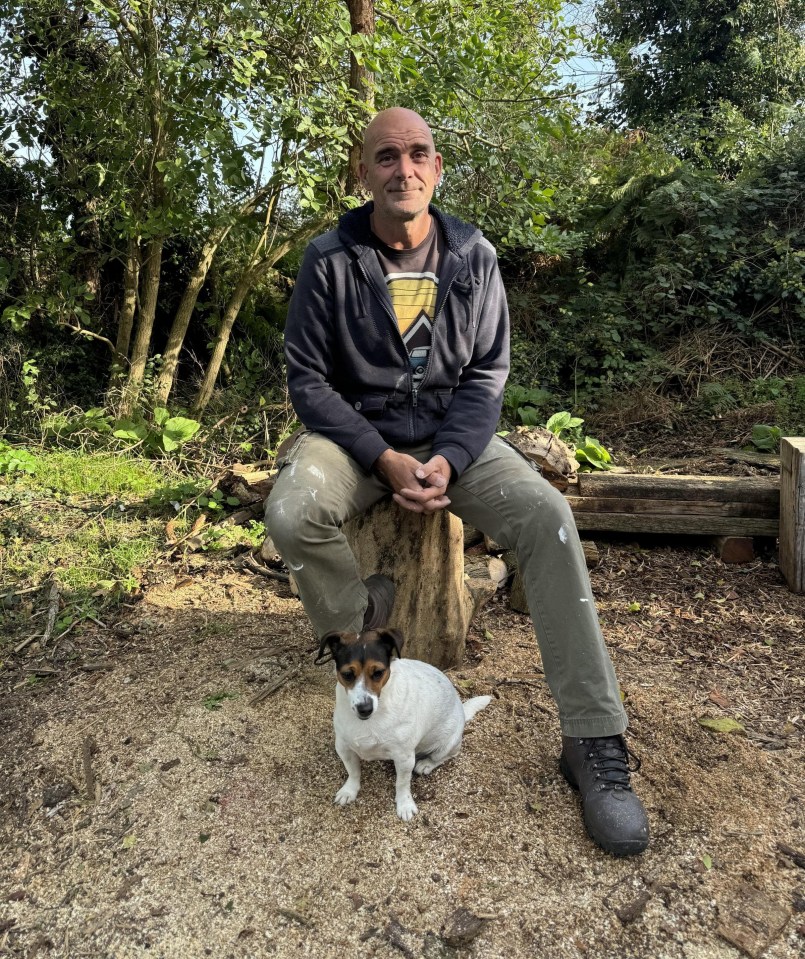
{"x": 368, "y": 404}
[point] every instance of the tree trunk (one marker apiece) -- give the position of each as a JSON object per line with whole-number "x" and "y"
{"x": 145, "y": 325}
{"x": 244, "y": 285}
{"x": 424, "y": 555}
{"x": 361, "y": 81}
{"x": 249, "y": 278}
{"x": 181, "y": 322}
{"x": 131, "y": 280}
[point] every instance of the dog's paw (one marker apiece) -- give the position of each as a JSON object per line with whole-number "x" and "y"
{"x": 425, "y": 767}
{"x": 406, "y": 808}
{"x": 345, "y": 795}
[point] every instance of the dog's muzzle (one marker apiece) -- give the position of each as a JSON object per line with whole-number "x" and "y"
{"x": 365, "y": 709}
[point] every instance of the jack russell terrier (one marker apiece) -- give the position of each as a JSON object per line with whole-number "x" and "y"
{"x": 400, "y": 709}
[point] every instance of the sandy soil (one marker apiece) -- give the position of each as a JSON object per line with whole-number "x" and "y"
{"x": 150, "y": 807}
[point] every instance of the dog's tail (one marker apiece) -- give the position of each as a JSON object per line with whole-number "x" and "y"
{"x": 475, "y": 705}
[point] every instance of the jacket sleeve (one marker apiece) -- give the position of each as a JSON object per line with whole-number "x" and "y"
{"x": 474, "y": 412}
{"x": 311, "y": 352}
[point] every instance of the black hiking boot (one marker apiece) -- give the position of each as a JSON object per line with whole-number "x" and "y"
{"x": 599, "y": 769}
{"x": 381, "y": 600}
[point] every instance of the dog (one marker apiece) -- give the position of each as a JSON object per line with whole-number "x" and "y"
{"x": 387, "y": 708}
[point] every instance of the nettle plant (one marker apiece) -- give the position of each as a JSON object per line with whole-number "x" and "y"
{"x": 589, "y": 453}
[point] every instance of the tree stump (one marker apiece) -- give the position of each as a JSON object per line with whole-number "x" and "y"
{"x": 424, "y": 555}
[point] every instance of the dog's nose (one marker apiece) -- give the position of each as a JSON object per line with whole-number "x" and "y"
{"x": 365, "y": 709}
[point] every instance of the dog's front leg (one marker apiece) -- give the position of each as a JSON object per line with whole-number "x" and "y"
{"x": 349, "y": 791}
{"x": 406, "y": 807}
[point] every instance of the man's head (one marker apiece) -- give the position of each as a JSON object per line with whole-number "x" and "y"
{"x": 399, "y": 165}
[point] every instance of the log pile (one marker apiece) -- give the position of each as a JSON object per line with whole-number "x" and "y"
{"x": 687, "y": 505}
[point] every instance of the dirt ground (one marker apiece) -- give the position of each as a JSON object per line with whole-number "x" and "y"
{"x": 153, "y": 804}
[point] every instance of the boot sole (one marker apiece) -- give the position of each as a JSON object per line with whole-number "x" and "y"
{"x": 627, "y": 847}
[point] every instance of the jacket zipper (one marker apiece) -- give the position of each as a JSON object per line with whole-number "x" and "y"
{"x": 439, "y": 312}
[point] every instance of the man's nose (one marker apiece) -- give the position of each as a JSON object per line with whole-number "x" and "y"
{"x": 404, "y": 167}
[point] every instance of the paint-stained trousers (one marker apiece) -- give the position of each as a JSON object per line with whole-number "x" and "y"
{"x": 319, "y": 487}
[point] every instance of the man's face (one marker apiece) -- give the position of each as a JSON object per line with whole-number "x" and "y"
{"x": 400, "y": 165}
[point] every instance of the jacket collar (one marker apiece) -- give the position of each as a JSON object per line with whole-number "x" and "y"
{"x": 355, "y": 231}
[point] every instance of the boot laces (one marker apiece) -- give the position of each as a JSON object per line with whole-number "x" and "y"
{"x": 611, "y": 762}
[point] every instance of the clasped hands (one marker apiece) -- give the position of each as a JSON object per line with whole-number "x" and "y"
{"x": 419, "y": 487}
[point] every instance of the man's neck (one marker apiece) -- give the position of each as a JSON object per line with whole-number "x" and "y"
{"x": 401, "y": 234}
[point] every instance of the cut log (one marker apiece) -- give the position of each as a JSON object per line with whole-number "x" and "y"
{"x": 248, "y": 483}
{"x": 792, "y": 513}
{"x": 554, "y": 458}
{"x": 424, "y": 555}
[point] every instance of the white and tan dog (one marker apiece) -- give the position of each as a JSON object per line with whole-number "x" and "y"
{"x": 400, "y": 709}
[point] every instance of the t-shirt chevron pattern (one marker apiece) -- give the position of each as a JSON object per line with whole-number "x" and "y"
{"x": 412, "y": 278}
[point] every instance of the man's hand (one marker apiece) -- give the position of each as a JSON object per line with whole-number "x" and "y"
{"x": 419, "y": 487}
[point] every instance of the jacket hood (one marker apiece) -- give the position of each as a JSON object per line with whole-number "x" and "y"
{"x": 355, "y": 230}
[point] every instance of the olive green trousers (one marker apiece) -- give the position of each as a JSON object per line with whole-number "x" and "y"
{"x": 319, "y": 487}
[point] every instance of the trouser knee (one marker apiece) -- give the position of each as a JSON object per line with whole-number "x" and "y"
{"x": 282, "y": 521}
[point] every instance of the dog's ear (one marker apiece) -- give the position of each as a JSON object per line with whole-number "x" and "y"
{"x": 329, "y": 641}
{"x": 392, "y": 639}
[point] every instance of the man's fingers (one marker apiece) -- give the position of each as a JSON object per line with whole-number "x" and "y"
{"x": 429, "y": 506}
{"x": 433, "y": 477}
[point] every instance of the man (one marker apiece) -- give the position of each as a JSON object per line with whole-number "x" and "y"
{"x": 397, "y": 354}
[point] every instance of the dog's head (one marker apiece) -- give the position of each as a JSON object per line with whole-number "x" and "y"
{"x": 362, "y": 664}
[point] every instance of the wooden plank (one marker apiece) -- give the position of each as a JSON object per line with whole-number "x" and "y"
{"x": 672, "y": 507}
{"x": 683, "y": 525}
{"x": 754, "y": 489}
{"x": 792, "y": 513}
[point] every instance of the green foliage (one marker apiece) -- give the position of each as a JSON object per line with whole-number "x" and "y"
{"x": 16, "y": 460}
{"x": 766, "y": 438}
{"x": 163, "y": 434}
{"x": 524, "y": 405}
{"x": 589, "y": 453}
{"x": 215, "y": 701}
{"x": 685, "y": 56}
{"x": 216, "y": 500}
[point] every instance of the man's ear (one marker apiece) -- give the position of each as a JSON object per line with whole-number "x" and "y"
{"x": 391, "y": 639}
{"x": 329, "y": 641}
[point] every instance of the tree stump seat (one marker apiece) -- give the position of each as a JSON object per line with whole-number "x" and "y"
{"x": 424, "y": 556}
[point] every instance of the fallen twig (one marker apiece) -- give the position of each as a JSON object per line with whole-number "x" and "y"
{"x": 250, "y": 563}
{"x": 53, "y": 608}
{"x": 88, "y": 749}
{"x": 273, "y": 687}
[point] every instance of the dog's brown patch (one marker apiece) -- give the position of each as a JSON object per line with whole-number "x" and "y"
{"x": 375, "y": 674}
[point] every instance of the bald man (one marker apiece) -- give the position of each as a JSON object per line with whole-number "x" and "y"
{"x": 397, "y": 350}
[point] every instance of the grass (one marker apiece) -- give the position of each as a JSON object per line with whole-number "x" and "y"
{"x": 85, "y": 521}
{"x": 96, "y": 474}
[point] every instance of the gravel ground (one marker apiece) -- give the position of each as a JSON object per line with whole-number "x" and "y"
{"x": 154, "y": 804}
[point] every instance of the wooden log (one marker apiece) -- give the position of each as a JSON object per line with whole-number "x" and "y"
{"x": 792, "y": 513}
{"x": 424, "y": 555}
{"x": 675, "y": 507}
{"x": 762, "y": 490}
{"x": 682, "y": 525}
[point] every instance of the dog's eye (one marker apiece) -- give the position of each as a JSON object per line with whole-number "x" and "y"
{"x": 377, "y": 675}
{"x": 347, "y": 675}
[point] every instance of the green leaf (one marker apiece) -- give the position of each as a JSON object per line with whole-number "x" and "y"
{"x": 131, "y": 430}
{"x": 178, "y": 430}
{"x": 161, "y": 415}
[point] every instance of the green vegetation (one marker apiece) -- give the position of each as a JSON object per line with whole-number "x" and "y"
{"x": 162, "y": 168}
